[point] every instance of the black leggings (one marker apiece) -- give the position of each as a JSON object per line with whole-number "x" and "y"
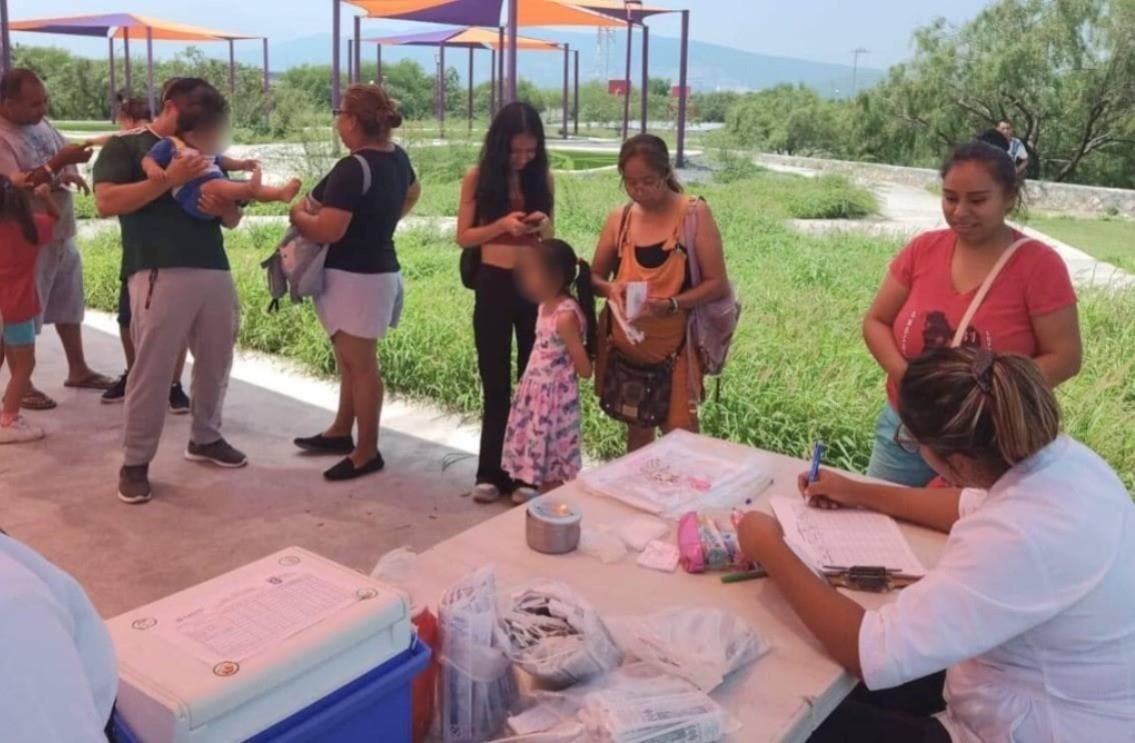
{"x": 499, "y": 311}
{"x": 899, "y": 715}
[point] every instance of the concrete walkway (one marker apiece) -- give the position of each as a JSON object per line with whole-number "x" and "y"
{"x": 58, "y": 495}
{"x": 907, "y": 211}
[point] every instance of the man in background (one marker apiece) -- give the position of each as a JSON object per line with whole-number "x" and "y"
{"x": 1017, "y": 149}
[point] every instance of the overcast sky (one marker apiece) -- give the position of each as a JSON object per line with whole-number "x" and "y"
{"x": 822, "y": 30}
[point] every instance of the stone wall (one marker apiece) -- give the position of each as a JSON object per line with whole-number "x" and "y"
{"x": 1042, "y": 195}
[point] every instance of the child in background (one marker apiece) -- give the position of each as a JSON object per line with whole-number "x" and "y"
{"x": 22, "y": 234}
{"x": 542, "y": 442}
{"x": 133, "y": 114}
{"x": 201, "y": 131}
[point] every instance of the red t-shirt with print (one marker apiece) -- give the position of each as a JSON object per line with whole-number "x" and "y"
{"x": 1034, "y": 282}
{"x": 19, "y": 299}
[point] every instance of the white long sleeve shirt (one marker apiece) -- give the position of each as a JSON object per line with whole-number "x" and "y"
{"x": 1031, "y": 608}
{"x": 58, "y": 677}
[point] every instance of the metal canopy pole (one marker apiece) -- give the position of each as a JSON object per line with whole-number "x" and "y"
{"x": 150, "y": 66}
{"x": 513, "y": 19}
{"x": 6, "y": 38}
{"x": 501, "y": 54}
{"x": 441, "y": 90}
{"x": 645, "y": 92}
{"x": 378, "y": 65}
{"x": 357, "y": 58}
{"x": 567, "y": 60}
{"x": 110, "y": 49}
{"x": 126, "y": 61}
{"x": 350, "y": 61}
{"x": 265, "y": 54}
{"x": 683, "y": 89}
{"x": 470, "y": 88}
{"x": 335, "y": 31}
{"x": 232, "y": 68}
{"x": 492, "y": 83}
{"x": 575, "y": 106}
{"x": 627, "y": 79}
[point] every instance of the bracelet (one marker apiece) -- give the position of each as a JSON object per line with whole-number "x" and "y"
{"x": 674, "y": 306}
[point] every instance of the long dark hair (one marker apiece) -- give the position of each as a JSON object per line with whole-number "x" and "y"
{"x": 559, "y": 259}
{"x": 16, "y": 206}
{"x": 655, "y": 153}
{"x": 993, "y": 158}
{"x": 995, "y": 408}
{"x": 492, "y": 195}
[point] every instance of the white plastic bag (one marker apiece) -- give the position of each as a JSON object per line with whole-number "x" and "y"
{"x": 555, "y": 635}
{"x": 602, "y": 542}
{"x": 640, "y": 704}
{"x": 702, "y": 646}
{"x": 478, "y": 688}
{"x": 640, "y": 531}
{"x": 396, "y": 569}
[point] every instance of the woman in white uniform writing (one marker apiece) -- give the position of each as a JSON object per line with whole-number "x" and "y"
{"x": 1031, "y": 609}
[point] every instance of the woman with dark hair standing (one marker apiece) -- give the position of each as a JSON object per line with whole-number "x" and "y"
{"x": 933, "y": 295}
{"x": 642, "y": 242}
{"x": 506, "y": 205}
{"x": 1031, "y": 607}
{"x": 356, "y": 209}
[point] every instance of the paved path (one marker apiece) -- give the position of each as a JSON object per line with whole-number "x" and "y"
{"x": 906, "y": 211}
{"x": 58, "y": 494}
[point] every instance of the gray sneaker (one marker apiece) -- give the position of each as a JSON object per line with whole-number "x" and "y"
{"x": 219, "y": 453}
{"x": 134, "y": 484}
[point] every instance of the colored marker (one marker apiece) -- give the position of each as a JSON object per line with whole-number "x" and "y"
{"x": 817, "y": 454}
{"x": 744, "y": 576}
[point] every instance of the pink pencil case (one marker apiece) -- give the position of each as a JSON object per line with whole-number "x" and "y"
{"x": 703, "y": 544}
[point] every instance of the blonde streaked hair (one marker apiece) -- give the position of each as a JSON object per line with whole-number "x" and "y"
{"x": 994, "y": 408}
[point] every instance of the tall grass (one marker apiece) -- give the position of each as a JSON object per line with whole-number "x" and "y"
{"x": 798, "y": 369}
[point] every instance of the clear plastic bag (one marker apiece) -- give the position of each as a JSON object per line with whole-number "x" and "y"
{"x": 603, "y": 542}
{"x": 478, "y": 689}
{"x": 702, "y": 646}
{"x": 555, "y": 635}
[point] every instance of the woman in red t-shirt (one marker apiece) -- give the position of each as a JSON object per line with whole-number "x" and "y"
{"x": 1030, "y": 308}
{"x": 22, "y": 234}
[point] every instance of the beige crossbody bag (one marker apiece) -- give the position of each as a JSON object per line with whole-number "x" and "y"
{"x": 983, "y": 290}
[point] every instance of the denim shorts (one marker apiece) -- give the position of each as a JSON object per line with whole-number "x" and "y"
{"x": 891, "y": 462}
{"x": 20, "y": 333}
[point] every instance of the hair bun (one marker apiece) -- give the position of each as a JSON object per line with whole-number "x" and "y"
{"x": 394, "y": 119}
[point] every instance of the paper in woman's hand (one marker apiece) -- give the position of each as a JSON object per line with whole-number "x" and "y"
{"x": 636, "y": 299}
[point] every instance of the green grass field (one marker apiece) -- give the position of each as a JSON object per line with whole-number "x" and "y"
{"x": 1111, "y": 240}
{"x": 798, "y": 370}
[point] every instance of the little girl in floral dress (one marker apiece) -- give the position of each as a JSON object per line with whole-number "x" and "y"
{"x": 542, "y": 442}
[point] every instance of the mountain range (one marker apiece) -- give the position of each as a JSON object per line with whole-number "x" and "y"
{"x": 712, "y": 67}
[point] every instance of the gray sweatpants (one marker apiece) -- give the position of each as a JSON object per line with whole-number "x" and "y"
{"x": 169, "y": 306}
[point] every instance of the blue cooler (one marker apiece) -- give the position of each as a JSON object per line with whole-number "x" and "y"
{"x": 289, "y": 648}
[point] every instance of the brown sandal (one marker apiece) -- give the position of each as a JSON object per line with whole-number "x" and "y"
{"x": 93, "y": 381}
{"x": 36, "y": 400}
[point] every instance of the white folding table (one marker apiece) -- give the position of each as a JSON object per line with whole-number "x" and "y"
{"x": 782, "y": 697}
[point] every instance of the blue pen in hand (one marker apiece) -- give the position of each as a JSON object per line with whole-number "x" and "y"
{"x": 817, "y": 455}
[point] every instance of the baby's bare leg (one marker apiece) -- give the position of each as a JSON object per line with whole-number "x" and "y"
{"x": 229, "y": 190}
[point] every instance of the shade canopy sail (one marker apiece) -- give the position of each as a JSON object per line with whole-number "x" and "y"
{"x": 614, "y": 8}
{"x": 488, "y": 12}
{"x": 465, "y": 38}
{"x": 117, "y": 25}
{"x": 463, "y": 12}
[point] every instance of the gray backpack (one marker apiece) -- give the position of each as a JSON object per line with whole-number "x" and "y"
{"x": 295, "y": 267}
{"x": 711, "y": 325}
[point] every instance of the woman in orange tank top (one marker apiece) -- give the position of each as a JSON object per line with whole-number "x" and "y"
{"x": 506, "y": 206}
{"x": 642, "y": 242}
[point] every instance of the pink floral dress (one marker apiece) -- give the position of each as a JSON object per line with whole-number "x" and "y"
{"x": 542, "y": 440}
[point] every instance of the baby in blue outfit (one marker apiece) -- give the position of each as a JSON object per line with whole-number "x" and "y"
{"x": 201, "y": 131}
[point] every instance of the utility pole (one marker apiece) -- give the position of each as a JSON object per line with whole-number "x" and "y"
{"x": 855, "y": 53}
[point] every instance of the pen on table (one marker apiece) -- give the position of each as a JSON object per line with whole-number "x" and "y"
{"x": 744, "y": 576}
{"x": 817, "y": 454}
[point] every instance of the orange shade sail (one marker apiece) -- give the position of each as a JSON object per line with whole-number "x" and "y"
{"x": 117, "y": 25}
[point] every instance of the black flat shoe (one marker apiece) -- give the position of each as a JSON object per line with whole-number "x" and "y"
{"x": 321, "y": 444}
{"x": 346, "y": 469}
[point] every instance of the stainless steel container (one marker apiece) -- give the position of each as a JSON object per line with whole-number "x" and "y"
{"x": 552, "y": 525}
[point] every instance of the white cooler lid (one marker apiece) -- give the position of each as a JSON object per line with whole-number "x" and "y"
{"x": 207, "y": 650}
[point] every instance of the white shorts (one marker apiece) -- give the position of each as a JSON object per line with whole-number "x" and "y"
{"x": 364, "y": 305}
{"x": 59, "y": 279}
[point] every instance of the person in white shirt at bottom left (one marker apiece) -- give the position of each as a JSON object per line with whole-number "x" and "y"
{"x": 58, "y": 674}
{"x": 1031, "y": 609}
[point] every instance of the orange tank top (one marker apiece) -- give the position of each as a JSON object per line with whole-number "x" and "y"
{"x": 664, "y": 281}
